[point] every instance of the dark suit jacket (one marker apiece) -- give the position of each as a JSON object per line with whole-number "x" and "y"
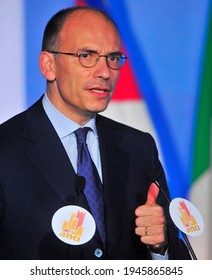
{"x": 36, "y": 179}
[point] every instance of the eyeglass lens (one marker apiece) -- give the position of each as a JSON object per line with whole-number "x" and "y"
{"x": 114, "y": 60}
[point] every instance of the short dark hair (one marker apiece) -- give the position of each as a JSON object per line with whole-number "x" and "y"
{"x": 56, "y": 23}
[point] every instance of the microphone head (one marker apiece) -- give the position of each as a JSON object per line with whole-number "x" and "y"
{"x": 80, "y": 183}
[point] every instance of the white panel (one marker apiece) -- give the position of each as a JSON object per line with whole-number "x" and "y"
{"x": 12, "y": 59}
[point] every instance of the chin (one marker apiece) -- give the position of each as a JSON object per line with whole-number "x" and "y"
{"x": 99, "y": 109}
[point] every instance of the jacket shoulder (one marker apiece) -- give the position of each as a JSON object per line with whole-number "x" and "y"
{"x": 14, "y": 127}
{"x": 122, "y": 128}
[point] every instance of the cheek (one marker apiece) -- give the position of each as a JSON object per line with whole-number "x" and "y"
{"x": 115, "y": 77}
{"x": 71, "y": 80}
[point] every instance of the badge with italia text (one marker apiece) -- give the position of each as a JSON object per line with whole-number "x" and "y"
{"x": 73, "y": 225}
{"x": 186, "y": 216}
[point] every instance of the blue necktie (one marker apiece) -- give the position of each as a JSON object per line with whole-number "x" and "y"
{"x": 93, "y": 189}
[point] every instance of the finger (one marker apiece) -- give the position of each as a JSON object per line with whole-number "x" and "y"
{"x": 152, "y": 194}
{"x": 148, "y": 212}
{"x": 151, "y": 220}
{"x": 153, "y": 240}
{"x": 150, "y": 231}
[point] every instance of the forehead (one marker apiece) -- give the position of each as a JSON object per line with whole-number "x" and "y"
{"x": 85, "y": 27}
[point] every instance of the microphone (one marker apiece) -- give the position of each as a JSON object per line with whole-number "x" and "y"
{"x": 79, "y": 187}
{"x": 152, "y": 178}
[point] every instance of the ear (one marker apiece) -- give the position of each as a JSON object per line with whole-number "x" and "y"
{"x": 47, "y": 65}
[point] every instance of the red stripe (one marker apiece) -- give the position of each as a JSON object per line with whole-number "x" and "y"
{"x": 126, "y": 88}
{"x": 80, "y": 3}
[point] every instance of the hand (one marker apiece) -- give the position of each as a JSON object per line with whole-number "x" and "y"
{"x": 151, "y": 223}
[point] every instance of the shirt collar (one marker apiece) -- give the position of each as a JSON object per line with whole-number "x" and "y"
{"x": 62, "y": 124}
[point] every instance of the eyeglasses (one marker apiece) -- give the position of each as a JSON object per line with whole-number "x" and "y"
{"x": 89, "y": 58}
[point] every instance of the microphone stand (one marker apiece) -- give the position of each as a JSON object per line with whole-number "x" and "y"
{"x": 183, "y": 234}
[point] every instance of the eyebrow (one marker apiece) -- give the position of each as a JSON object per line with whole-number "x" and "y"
{"x": 93, "y": 51}
{"x": 87, "y": 50}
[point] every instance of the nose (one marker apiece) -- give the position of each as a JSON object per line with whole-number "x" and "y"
{"x": 102, "y": 70}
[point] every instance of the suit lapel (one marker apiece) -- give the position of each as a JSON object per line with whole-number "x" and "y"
{"x": 48, "y": 154}
{"x": 115, "y": 164}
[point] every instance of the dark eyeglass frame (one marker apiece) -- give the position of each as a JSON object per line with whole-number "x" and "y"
{"x": 123, "y": 57}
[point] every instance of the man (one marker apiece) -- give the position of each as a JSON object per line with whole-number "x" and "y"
{"x": 80, "y": 60}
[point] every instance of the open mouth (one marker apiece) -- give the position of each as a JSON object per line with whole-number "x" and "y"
{"x": 99, "y": 91}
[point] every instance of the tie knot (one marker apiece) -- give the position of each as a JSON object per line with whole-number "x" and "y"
{"x": 81, "y": 134}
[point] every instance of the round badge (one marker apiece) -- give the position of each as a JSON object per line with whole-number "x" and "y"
{"x": 73, "y": 225}
{"x": 186, "y": 217}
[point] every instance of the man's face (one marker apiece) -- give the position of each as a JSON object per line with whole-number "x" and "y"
{"x": 77, "y": 91}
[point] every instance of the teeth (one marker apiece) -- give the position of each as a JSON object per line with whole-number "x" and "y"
{"x": 98, "y": 90}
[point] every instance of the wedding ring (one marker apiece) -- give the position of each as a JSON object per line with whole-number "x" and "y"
{"x": 146, "y": 231}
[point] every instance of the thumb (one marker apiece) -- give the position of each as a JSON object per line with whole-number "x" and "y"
{"x": 152, "y": 194}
